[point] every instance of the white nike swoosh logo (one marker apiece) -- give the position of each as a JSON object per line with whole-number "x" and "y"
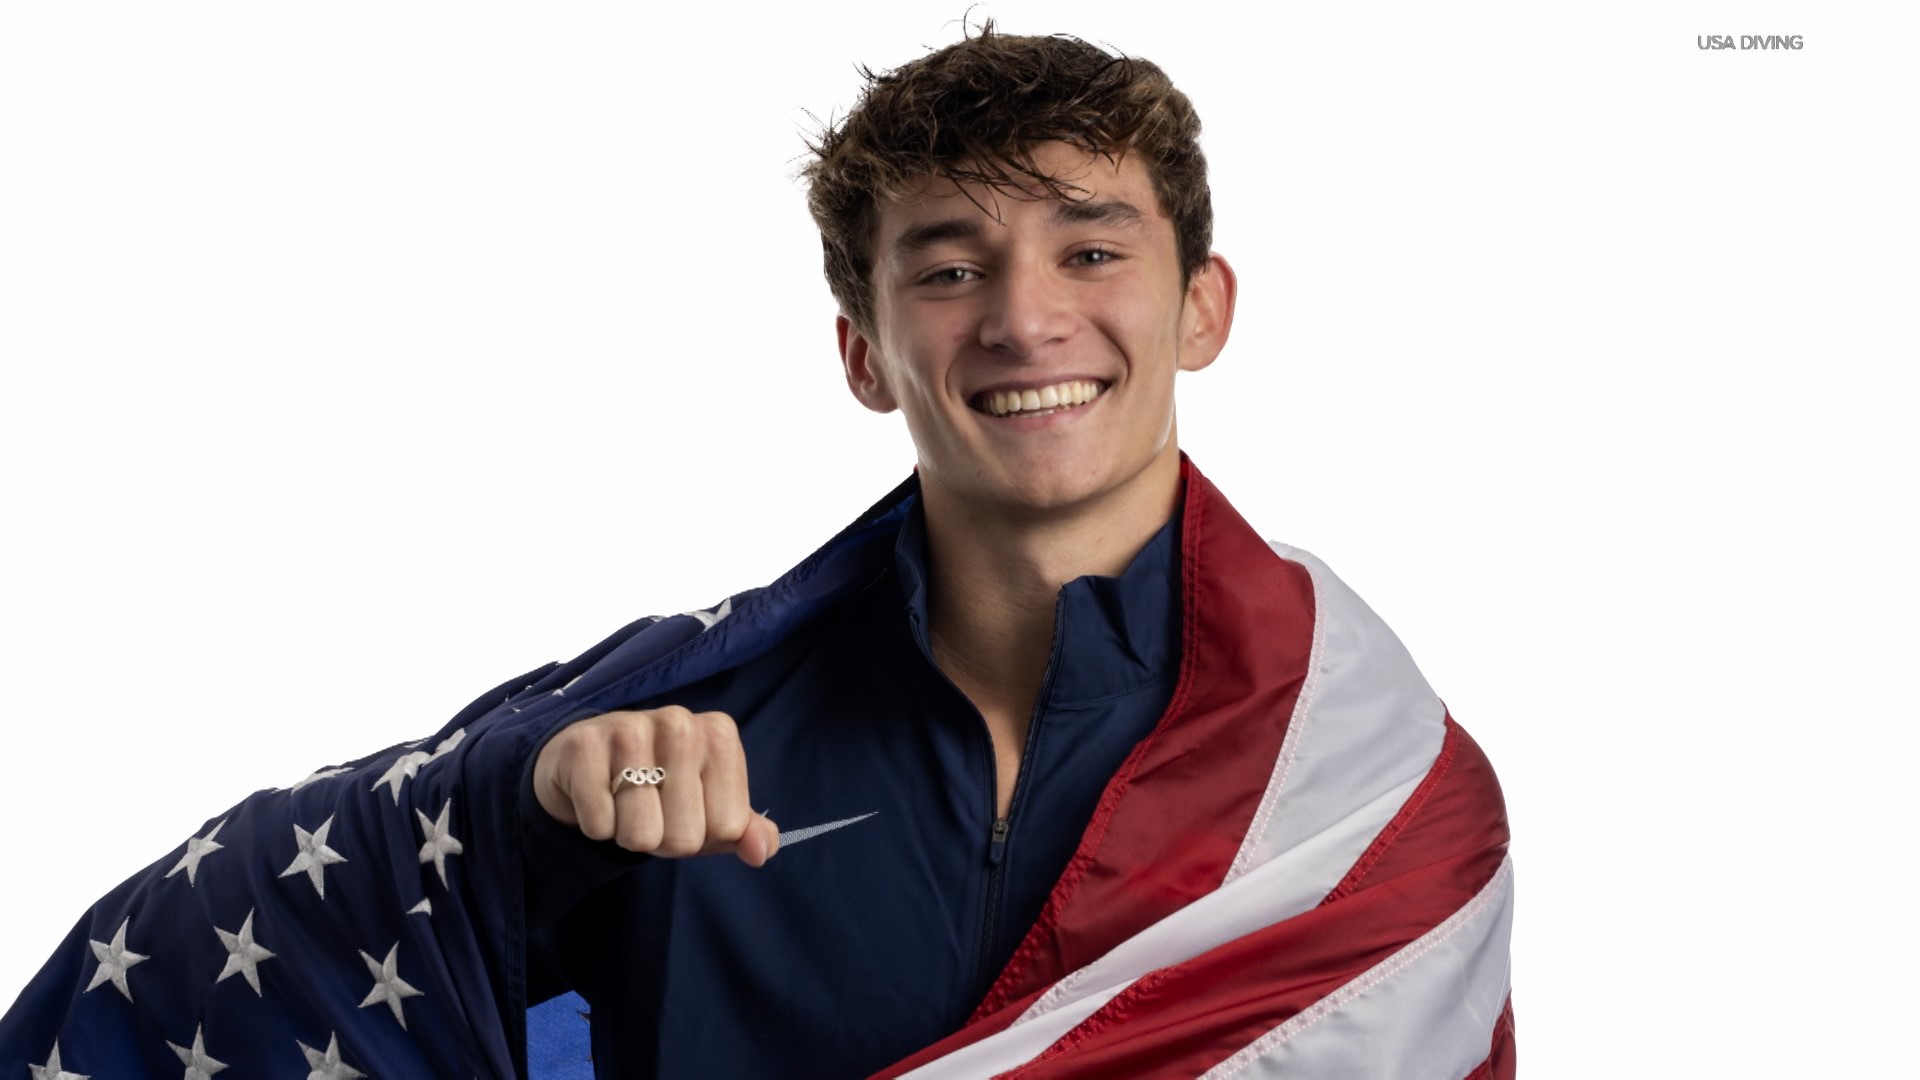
{"x": 794, "y": 836}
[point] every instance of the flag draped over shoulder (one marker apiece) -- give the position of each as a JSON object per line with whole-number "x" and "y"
{"x": 368, "y": 919}
{"x": 1301, "y": 871}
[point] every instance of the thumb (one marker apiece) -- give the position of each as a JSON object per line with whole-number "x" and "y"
{"x": 759, "y": 842}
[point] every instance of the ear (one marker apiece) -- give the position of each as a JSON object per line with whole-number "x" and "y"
{"x": 1208, "y": 315}
{"x": 865, "y": 375}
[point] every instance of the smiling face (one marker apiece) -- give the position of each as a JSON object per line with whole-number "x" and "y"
{"x": 1034, "y": 356}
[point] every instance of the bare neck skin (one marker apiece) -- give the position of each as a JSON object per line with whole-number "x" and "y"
{"x": 994, "y": 579}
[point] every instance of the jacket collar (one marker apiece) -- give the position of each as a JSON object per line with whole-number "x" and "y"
{"x": 1112, "y": 634}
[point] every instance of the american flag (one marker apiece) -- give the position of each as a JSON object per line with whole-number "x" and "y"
{"x": 1301, "y": 871}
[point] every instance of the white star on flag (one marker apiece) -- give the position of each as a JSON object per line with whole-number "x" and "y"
{"x": 198, "y": 847}
{"x": 243, "y": 955}
{"x": 708, "y": 618}
{"x": 115, "y": 959}
{"x": 314, "y": 856}
{"x": 328, "y": 1066}
{"x": 407, "y": 765}
{"x": 440, "y": 842}
{"x": 199, "y": 1065}
{"x": 52, "y": 1070}
{"x": 447, "y": 744}
{"x": 403, "y": 769}
{"x": 387, "y": 984}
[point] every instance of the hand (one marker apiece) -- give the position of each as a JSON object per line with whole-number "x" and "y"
{"x": 700, "y": 808}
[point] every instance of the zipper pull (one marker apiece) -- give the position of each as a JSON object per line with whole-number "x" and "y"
{"x": 998, "y": 848}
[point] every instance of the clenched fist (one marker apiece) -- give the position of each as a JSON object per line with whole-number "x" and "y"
{"x": 701, "y": 806}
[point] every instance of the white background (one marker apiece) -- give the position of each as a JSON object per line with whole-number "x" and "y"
{"x": 357, "y": 357}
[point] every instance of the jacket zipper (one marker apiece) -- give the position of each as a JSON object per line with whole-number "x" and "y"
{"x": 1002, "y": 826}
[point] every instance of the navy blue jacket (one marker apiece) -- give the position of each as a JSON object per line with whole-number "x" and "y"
{"x": 859, "y": 946}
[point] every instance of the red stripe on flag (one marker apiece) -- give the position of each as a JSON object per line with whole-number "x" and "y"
{"x": 1182, "y": 1020}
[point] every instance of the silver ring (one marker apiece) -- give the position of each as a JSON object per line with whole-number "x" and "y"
{"x": 638, "y": 776}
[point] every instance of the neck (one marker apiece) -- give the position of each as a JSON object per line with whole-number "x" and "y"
{"x": 995, "y": 574}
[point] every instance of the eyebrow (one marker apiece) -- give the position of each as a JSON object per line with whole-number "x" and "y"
{"x": 1117, "y": 212}
{"x": 1114, "y": 212}
{"x": 921, "y": 237}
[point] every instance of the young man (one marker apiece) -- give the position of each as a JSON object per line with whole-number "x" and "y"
{"x": 1091, "y": 781}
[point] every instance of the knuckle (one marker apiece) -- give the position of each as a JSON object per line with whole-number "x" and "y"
{"x": 564, "y": 745}
{"x": 719, "y": 729}
{"x": 673, "y": 738}
{"x": 604, "y": 721}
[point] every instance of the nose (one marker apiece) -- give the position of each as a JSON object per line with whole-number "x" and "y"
{"x": 1028, "y": 308}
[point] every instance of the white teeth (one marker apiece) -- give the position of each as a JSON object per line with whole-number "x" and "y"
{"x": 1060, "y": 395}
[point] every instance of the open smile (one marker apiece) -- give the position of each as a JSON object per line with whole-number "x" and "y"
{"x": 1038, "y": 400}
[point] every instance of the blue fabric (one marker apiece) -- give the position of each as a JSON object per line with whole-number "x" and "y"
{"x": 844, "y": 953}
{"x": 853, "y": 949}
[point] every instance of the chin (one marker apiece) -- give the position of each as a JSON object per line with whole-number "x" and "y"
{"x": 1044, "y": 500}
{"x": 1044, "y": 483}
{"x": 1047, "y": 489}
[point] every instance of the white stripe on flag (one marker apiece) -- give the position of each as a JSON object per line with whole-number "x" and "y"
{"x": 1427, "y": 1011}
{"x": 1366, "y": 725}
{"x": 1015, "y": 1046}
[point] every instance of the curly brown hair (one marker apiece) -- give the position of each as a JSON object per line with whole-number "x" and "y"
{"x": 971, "y": 113}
